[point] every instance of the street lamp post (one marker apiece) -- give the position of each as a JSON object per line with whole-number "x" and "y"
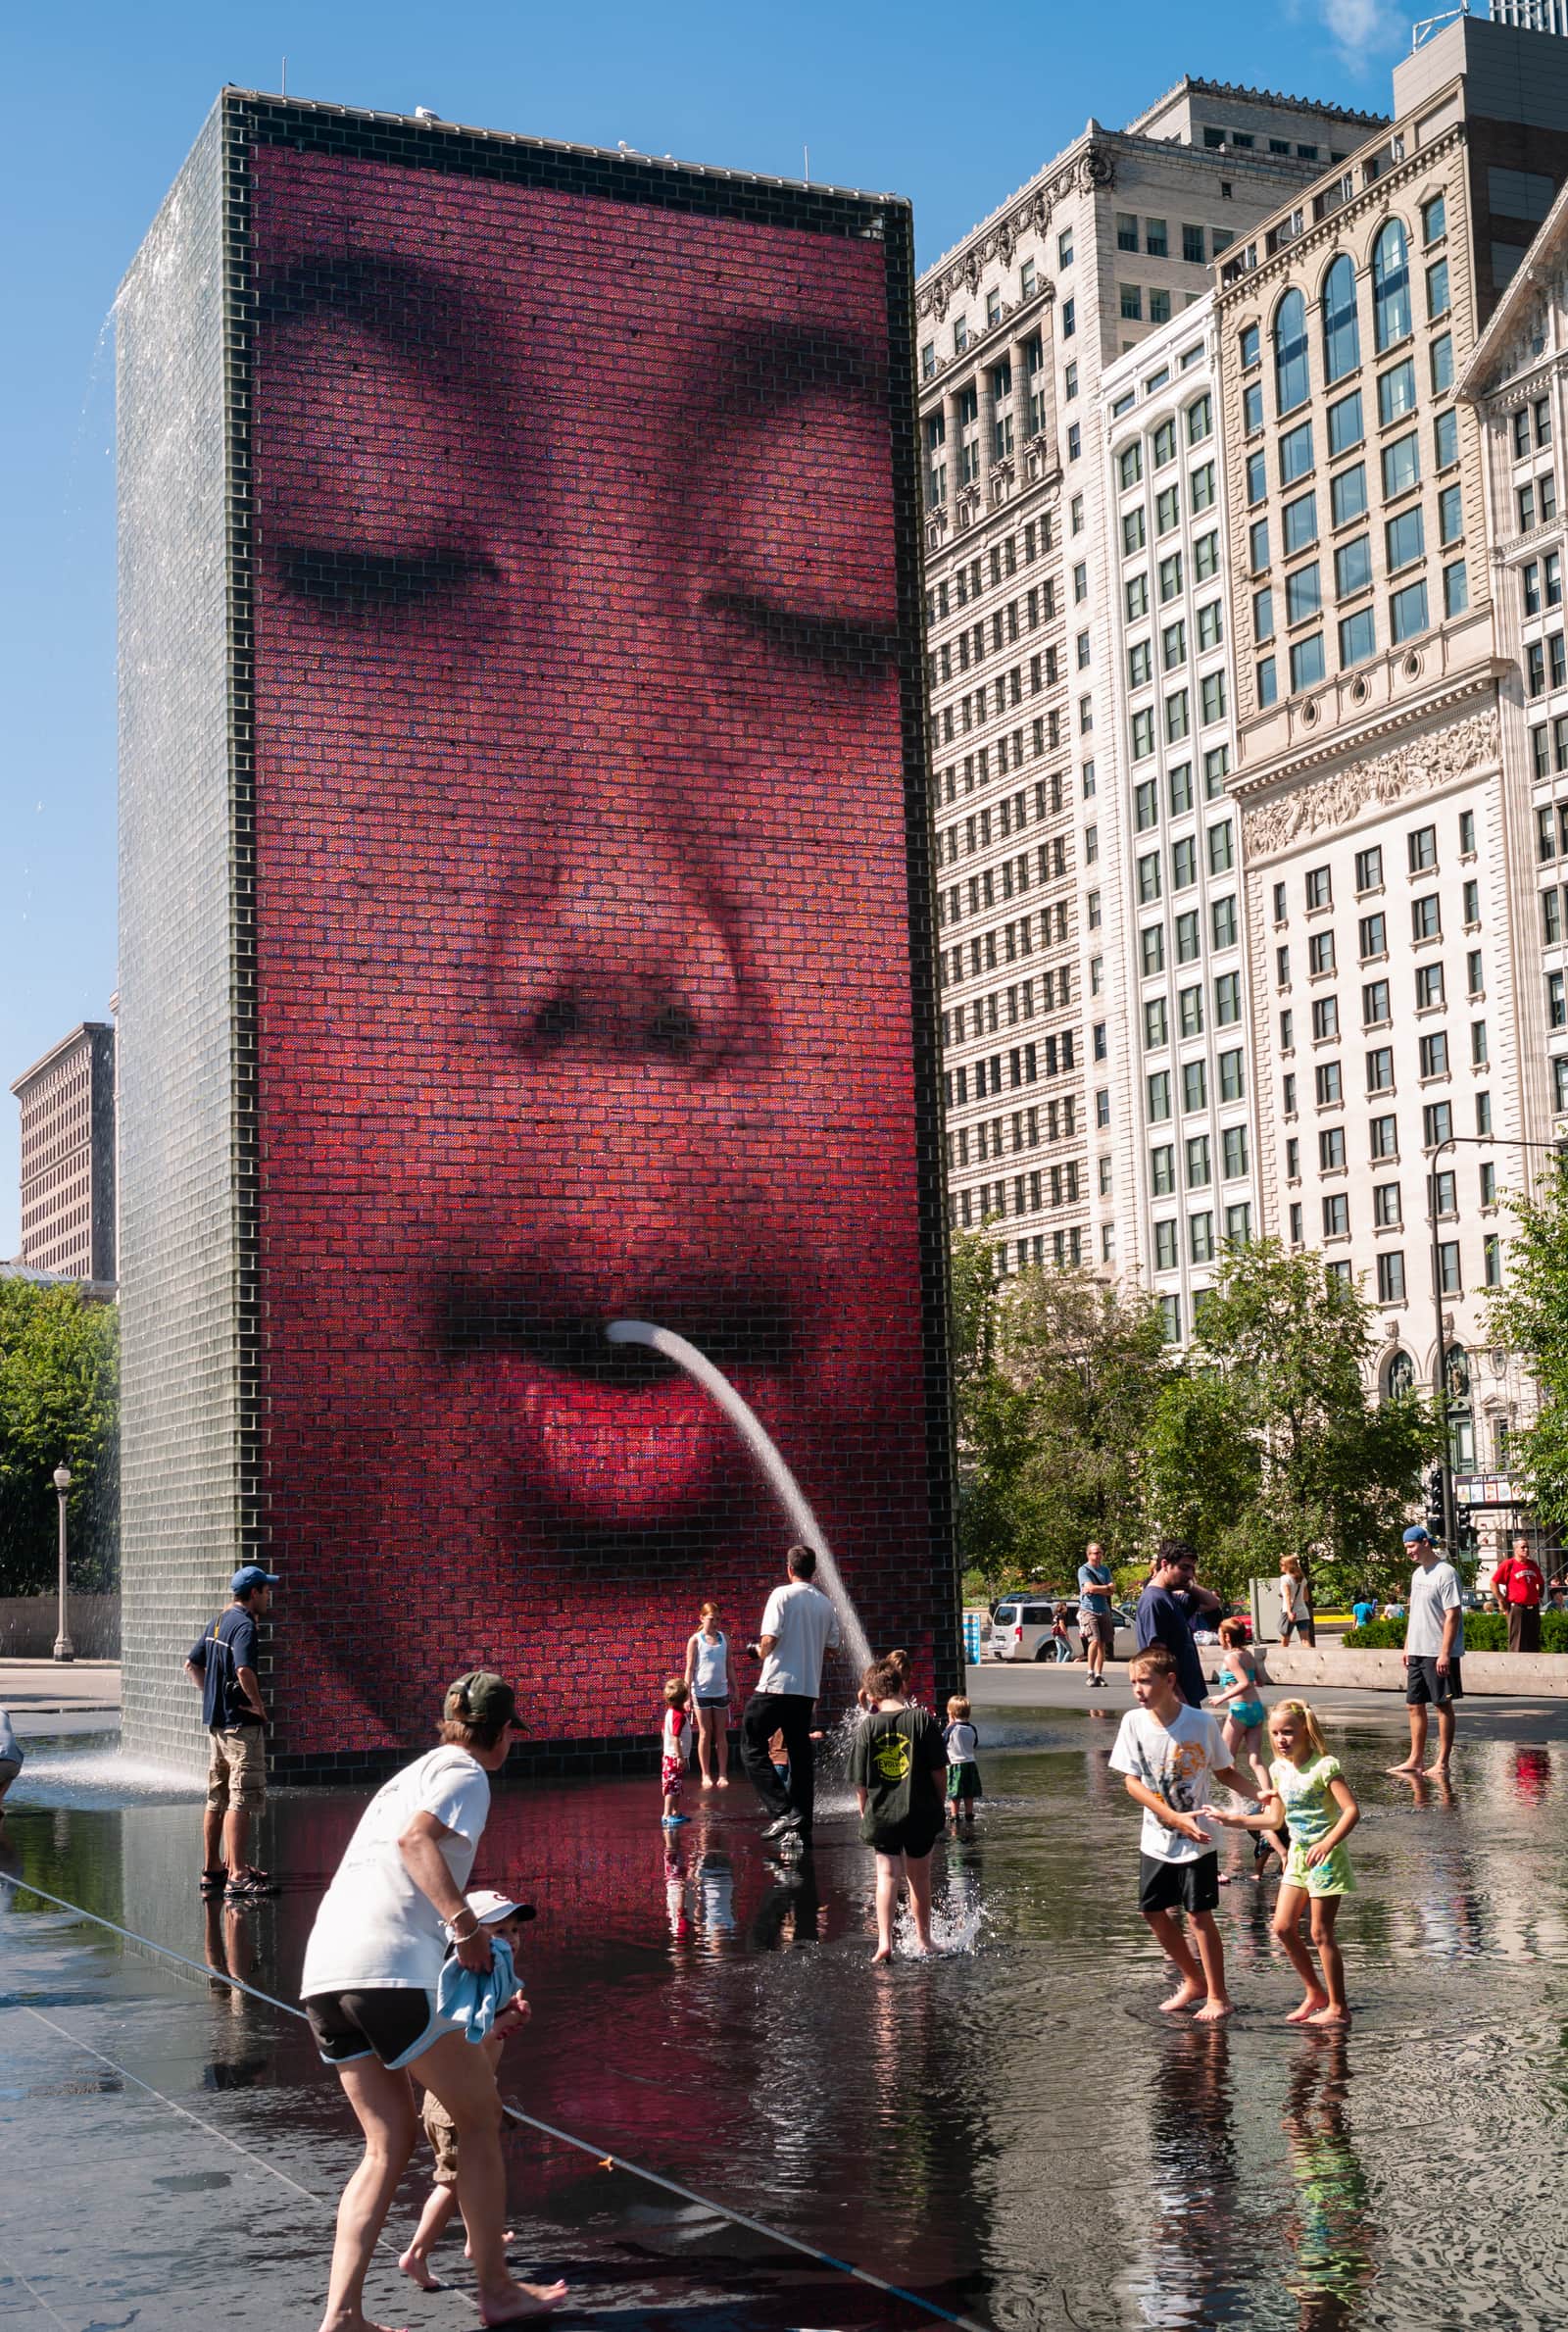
{"x": 65, "y": 1649}
{"x": 1440, "y": 1361}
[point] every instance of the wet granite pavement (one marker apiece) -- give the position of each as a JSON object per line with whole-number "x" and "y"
{"x": 1013, "y": 2132}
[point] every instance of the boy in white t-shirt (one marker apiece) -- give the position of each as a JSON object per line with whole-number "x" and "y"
{"x": 1170, "y": 1755}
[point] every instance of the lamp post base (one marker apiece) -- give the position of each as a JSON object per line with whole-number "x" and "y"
{"x": 63, "y": 1649}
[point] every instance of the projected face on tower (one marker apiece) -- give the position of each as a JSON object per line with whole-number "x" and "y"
{"x": 582, "y": 926}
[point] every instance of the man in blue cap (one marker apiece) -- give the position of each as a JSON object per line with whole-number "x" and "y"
{"x": 1434, "y": 1648}
{"x": 221, "y": 1664}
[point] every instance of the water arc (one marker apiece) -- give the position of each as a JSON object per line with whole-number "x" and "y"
{"x": 767, "y": 1461}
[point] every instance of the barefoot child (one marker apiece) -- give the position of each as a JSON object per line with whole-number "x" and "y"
{"x": 1308, "y": 1793}
{"x": 677, "y": 1746}
{"x": 1169, "y": 1756}
{"x": 897, "y": 1767}
{"x": 964, "y": 1774}
{"x": 504, "y": 1919}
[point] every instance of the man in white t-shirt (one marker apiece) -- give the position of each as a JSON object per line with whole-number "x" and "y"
{"x": 798, "y": 1627}
{"x": 1433, "y": 1649}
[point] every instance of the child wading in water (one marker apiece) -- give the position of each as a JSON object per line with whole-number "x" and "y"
{"x": 1169, "y": 1755}
{"x": 898, "y": 1765}
{"x": 504, "y": 1919}
{"x": 1311, "y": 1796}
{"x": 675, "y": 1745}
{"x": 964, "y": 1774}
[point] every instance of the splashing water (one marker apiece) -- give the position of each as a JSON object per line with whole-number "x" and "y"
{"x": 770, "y": 1464}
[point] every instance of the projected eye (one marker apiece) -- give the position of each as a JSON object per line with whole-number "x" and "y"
{"x": 342, "y": 585}
{"x": 840, "y": 646}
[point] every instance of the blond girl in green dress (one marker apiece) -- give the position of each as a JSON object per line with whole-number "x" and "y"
{"x": 1312, "y": 1796}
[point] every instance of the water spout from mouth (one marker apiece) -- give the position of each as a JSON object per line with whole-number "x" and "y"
{"x": 771, "y": 1467}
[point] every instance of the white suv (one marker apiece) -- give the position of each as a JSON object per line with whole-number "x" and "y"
{"x": 1021, "y": 1629}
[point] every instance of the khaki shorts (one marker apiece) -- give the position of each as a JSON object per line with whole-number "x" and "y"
{"x": 441, "y": 2130}
{"x": 236, "y": 1770}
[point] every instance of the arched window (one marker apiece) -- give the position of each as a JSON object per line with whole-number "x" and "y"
{"x": 1292, "y": 383}
{"x": 1342, "y": 335}
{"x": 1398, "y": 1376}
{"x": 1391, "y": 287}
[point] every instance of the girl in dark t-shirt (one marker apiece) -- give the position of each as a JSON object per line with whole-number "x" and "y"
{"x": 899, "y": 1766}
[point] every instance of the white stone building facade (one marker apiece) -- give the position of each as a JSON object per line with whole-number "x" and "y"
{"x": 1114, "y": 238}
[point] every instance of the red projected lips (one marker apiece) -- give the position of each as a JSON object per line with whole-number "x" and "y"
{"x": 582, "y": 934}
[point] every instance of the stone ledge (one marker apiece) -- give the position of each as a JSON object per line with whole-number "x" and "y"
{"x": 1509, "y": 1675}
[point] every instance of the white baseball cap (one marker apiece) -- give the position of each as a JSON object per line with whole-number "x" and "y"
{"x": 487, "y": 1907}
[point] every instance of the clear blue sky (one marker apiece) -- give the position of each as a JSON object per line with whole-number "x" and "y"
{"x": 954, "y": 106}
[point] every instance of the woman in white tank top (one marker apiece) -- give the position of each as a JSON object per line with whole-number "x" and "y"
{"x": 708, "y": 1674}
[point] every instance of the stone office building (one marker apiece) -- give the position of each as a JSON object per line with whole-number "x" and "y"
{"x": 1168, "y": 975}
{"x": 1380, "y": 818}
{"x": 67, "y": 1157}
{"x": 1113, "y": 239}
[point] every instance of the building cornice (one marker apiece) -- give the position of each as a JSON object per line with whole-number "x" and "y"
{"x": 1339, "y": 745}
{"x": 1372, "y": 787}
{"x": 1332, "y": 226}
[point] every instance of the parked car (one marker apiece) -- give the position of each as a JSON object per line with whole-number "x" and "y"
{"x": 1021, "y": 1625}
{"x": 1020, "y": 1628}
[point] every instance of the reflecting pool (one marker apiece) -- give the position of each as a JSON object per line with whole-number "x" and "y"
{"x": 1012, "y": 2131}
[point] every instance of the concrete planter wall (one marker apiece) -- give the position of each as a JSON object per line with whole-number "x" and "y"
{"x": 28, "y": 1624}
{"x": 1540, "y": 1673}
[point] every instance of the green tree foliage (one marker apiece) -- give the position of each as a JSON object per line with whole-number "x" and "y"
{"x": 59, "y": 1402}
{"x": 1056, "y": 1374}
{"x": 1530, "y": 1316}
{"x": 1267, "y": 1443}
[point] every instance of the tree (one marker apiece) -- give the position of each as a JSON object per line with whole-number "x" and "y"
{"x": 1057, "y": 1373}
{"x": 1268, "y": 1442}
{"x": 59, "y": 1403}
{"x": 1530, "y": 1316}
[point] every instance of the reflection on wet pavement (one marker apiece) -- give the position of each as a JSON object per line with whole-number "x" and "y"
{"x": 1012, "y": 2131}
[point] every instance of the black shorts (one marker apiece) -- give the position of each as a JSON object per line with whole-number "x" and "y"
{"x": 1178, "y": 1886}
{"x": 1422, "y": 1683}
{"x": 395, "y": 2022}
{"x": 713, "y": 1700}
{"x": 914, "y": 1836}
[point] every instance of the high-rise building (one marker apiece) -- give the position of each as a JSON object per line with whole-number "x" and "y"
{"x": 1113, "y": 239}
{"x": 1516, "y": 379}
{"x": 67, "y": 1157}
{"x": 1380, "y": 820}
{"x": 1167, "y": 971}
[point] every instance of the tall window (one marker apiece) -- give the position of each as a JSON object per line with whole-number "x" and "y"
{"x": 1342, "y": 335}
{"x": 1292, "y": 375}
{"x": 1390, "y": 286}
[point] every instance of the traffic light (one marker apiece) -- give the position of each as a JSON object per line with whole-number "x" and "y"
{"x": 1435, "y": 1517}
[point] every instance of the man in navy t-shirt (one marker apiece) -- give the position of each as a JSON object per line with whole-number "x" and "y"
{"x": 222, "y": 1663}
{"x": 1162, "y": 1619}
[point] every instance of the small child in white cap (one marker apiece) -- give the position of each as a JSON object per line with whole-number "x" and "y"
{"x": 505, "y": 1919}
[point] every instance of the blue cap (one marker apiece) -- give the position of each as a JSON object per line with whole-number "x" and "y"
{"x": 1416, "y": 1533}
{"x": 249, "y": 1575}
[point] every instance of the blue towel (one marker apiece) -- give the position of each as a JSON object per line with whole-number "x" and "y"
{"x": 471, "y": 2000}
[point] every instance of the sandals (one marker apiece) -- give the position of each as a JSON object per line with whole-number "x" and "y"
{"x": 246, "y": 1885}
{"x": 214, "y": 1881}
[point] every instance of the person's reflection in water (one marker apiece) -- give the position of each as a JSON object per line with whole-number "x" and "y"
{"x": 676, "y": 1904}
{"x": 790, "y": 1911}
{"x": 1425, "y": 1787}
{"x": 239, "y": 2060}
{"x": 1330, "y": 2230}
{"x": 1532, "y": 1773}
{"x": 715, "y": 1897}
{"x": 1192, "y": 2244}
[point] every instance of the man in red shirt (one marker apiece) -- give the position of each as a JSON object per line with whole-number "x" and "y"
{"x": 1519, "y": 1584}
